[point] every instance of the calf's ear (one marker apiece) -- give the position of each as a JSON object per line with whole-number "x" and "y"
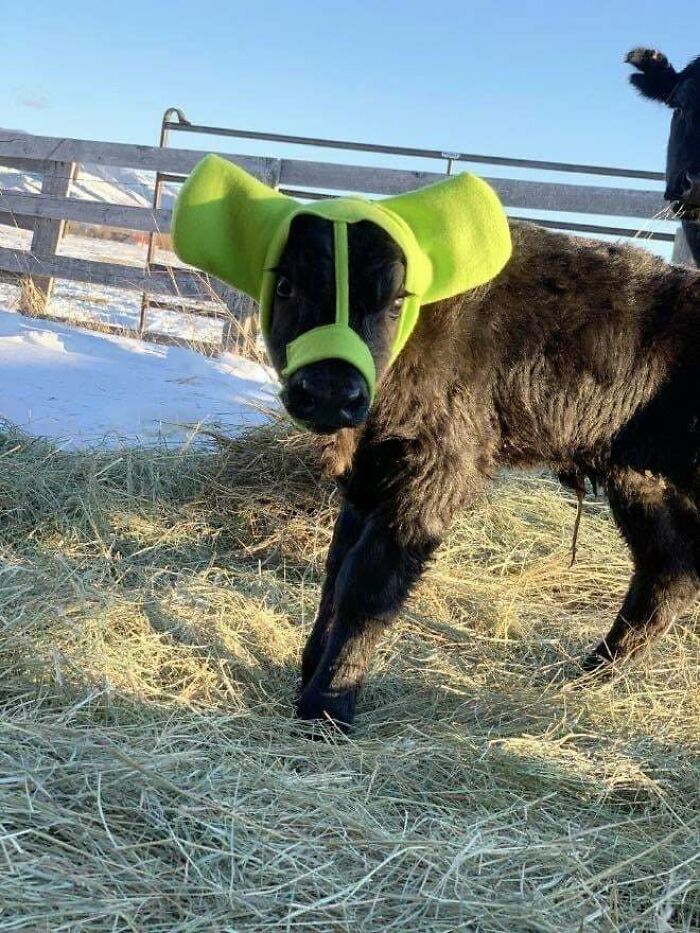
{"x": 655, "y": 78}
{"x": 224, "y": 220}
{"x": 461, "y": 231}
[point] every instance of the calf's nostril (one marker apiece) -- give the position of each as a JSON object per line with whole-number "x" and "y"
{"x": 353, "y": 402}
{"x": 304, "y": 399}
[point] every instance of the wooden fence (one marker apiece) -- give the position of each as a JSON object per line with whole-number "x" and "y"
{"x": 58, "y": 160}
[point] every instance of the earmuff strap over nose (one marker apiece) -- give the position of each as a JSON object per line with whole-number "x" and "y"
{"x": 342, "y": 273}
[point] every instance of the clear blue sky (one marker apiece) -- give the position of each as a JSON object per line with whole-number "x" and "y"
{"x": 516, "y": 77}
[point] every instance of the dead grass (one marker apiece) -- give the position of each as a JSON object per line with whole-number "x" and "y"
{"x": 152, "y": 610}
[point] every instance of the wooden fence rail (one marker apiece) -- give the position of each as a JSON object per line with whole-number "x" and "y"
{"x": 100, "y": 213}
{"x": 57, "y": 160}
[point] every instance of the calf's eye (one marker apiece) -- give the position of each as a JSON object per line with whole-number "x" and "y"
{"x": 284, "y": 288}
{"x": 396, "y": 306}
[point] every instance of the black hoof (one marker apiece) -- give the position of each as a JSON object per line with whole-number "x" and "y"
{"x": 598, "y": 663}
{"x": 335, "y": 711}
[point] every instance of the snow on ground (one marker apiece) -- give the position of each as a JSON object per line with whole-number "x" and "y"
{"x": 82, "y": 388}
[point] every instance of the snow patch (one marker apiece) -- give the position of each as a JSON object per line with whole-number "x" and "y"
{"x": 84, "y": 389}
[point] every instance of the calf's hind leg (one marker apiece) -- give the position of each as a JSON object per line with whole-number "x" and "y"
{"x": 662, "y": 530}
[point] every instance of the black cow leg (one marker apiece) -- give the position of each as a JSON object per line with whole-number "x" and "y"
{"x": 662, "y": 529}
{"x": 374, "y": 580}
{"x": 348, "y": 528}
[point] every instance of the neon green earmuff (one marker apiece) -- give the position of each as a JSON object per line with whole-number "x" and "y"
{"x": 454, "y": 236}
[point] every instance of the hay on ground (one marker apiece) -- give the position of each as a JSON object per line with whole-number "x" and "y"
{"x": 153, "y": 606}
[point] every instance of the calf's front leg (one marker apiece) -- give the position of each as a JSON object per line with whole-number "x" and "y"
{"x": 370, "y": 585}
{"x": 402, "y": 494}
{"x": 348, "y": 528}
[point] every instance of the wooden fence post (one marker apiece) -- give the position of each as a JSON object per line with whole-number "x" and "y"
{"x": 47, "y": 235}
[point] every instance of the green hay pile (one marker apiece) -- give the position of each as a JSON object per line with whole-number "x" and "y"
{"x": 153, "y": 606}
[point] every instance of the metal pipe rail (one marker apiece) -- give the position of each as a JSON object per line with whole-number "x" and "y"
{"x": 185, "y": 126}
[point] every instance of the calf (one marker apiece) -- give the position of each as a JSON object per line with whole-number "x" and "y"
{"x": 437, "y": 344}
{"x": 580, "y": 356}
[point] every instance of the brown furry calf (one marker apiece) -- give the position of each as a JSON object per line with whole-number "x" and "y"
{"x": 581, "y": 356}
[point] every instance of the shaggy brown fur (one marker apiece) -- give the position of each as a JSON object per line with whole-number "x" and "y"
{"x": 581, "y": 356}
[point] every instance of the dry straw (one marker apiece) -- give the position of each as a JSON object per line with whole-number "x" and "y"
{"x": 152, "y": 609}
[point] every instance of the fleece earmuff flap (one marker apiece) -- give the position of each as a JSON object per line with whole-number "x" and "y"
{"x": 454, "y": 236}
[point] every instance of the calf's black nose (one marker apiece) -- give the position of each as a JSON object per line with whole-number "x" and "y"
{"x": 327, "y": 396}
